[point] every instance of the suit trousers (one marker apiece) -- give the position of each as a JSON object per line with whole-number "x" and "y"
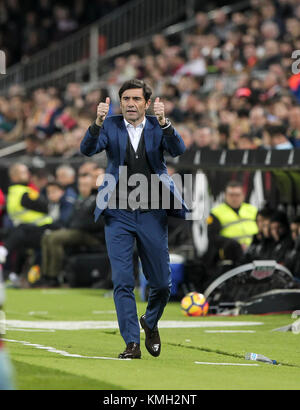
{"x": 150, "y": 231}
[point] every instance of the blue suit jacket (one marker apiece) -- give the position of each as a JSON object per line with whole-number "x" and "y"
{"x": 113, "y": 138}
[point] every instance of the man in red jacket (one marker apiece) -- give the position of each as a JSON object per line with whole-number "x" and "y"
{"x": 2, "y": 206}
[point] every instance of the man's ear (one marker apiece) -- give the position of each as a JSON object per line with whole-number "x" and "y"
{"x": 148, "y": 103}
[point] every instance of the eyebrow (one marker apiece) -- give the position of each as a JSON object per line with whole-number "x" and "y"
{"x": 135, "y": 97}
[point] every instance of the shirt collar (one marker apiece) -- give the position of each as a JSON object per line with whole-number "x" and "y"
{"x": 141, "y": 125}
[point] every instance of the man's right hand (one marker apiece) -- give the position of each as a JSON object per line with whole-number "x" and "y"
{"x": 102, "y": 111}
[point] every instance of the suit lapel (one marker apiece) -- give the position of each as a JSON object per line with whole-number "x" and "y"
{"x": 148, "y": 136}
{"x": 123, "y": 138}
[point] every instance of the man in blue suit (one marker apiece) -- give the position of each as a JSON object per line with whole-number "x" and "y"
{"x": 134, "y": 145}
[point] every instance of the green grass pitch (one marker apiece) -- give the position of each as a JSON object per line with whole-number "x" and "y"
{"x": 47, "y": 357}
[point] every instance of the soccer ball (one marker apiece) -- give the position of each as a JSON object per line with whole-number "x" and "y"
{"x": 194, "y": 304}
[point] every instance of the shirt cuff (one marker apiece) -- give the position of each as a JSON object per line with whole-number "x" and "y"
{"x": 94, "y": 130}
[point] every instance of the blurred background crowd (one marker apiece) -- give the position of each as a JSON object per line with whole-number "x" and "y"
{"x": 227, "y": 83}
{"x": 259, "y": 110}
{"x": 27, "y": 27}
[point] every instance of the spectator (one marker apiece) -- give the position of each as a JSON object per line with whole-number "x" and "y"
{"x": 295, "y": 228}
{"x": 258, "y": 121}
{"x": 28, "y": 211}
{"x": 66, "y": 176}
{"x": 60, "y": 204}
{"x": 87, "y": 167}
{"x": 40, "y": 177}
{"x": 292, "y": 257}
{"x": 262, "y": 244}
{"x": 234, "y": 218}
{"x": 281, "y": 235}
{"x": 246, "y": 141}
{"x": 64, "y": 24}
{"x": 97, "y": 175}
{"x": 294, "y": 126}
{"x": 278, "y": 138}
{"x": 80, "y": 231}
{"x": 24, "y": 204}
{"x": 230, "y": 227}
{"x": 74, "y": 95}
{"x": 186, "y": 135}
{"x": 203, "y": 138}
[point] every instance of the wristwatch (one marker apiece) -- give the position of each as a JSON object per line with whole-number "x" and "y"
{"x": 166, "y": 124}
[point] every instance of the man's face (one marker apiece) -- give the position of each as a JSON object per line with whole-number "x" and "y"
{"x": 266, "y": 228}
{"x": 294, "y": 230}
{"x": 23, "y": 174}
{"x": 133, "y": 105}
{"x": 277, "y": 230}
{"x": 54, "y": 193}
{"x": 85, "y": 185}
{"x": 260, "y": 221}
{"x": 234, "y": 197}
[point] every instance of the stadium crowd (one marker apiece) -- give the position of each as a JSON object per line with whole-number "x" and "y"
{"x": 27, "y": 27}
{"x": 261, "y": 110}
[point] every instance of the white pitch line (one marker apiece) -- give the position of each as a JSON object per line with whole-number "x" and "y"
{"x": 60, "y": 352}
{"x": 93, "y": 324}
{"x": 228, "y": 364}
{"x": 19, "y": 329}
{"x": 103, "y": 312}
{"x": 42, "y": 312}
{"x": 230, "y": 331}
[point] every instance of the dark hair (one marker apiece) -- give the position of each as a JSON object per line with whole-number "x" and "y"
{"x": 248, "y": 137}
{"x": 224, "y": 129}
{"x": 296, "y": 220}
{"x": 266, "y": 213}
{"x": 282, "y": 218}
{"x": 276, "y": 129}
{"x": 130, "y": 84}
{"x": 57, "y": 184}
{"x": 234, "y": 184}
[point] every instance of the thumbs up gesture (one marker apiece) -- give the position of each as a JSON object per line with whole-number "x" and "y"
{"x": 102, "y": 111}
{"x": 159, "y": 111}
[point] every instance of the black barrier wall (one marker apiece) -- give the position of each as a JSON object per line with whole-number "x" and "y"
{"x": 280, "y": 170}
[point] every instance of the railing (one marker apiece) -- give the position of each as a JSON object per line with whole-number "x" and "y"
{"x": 80, "y": 53}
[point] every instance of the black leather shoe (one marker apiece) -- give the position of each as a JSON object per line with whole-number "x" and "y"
{"x": 132, "y": 351}
{"x": 152, "y": 341}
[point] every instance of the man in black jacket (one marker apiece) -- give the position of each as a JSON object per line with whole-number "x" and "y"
{"x": 262, "y": 244}
{"x": 281, "y": 235}
{"x": 81, "y": 230}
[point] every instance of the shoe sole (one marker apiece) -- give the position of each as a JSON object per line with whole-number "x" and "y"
{"x": 131, "y": 358}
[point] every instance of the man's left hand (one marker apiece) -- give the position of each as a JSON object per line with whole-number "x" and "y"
{"x": 159, "y": 111}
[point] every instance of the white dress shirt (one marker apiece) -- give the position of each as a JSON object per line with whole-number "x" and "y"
{"x": 135, "y": 133}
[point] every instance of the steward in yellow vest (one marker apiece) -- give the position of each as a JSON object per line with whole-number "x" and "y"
{"x": 233, "y": 219}
{"x": 28, "y": 212}
{"x": 230, "y": 227}
{"x": 238, "y": 224}
{"x": 23, "y": 203}
{"x": 24, "y": 206}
